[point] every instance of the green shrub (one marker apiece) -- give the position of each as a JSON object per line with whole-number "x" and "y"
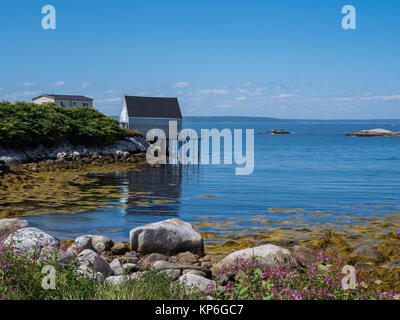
{"x": 28, "y": 125}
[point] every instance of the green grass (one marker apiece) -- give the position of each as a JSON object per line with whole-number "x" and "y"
{"x": 21, "y": 279}
{"x": 25, "y": 124}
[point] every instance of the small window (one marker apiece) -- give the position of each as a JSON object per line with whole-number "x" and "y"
{"x": 62, "y": 104}
{"x": 74, "y": 103}
{"x": 85, "y": 104}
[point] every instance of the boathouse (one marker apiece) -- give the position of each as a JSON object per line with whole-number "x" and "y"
{"x": 146, "y": 113}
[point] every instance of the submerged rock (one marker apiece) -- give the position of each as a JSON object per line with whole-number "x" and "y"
{"x": 367, "y": 252}
{"x": 8, "y": 226}
{"x": 168, "y": 237}
{"x": 374, "y": 133}
{"x": 395, "y": 264}
{"x": 278, "y": 131}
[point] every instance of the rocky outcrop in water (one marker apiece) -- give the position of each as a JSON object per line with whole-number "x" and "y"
{"x": 374, "y": 133}
{"x": 278, "y": 131}
{"x": 120, "y": 149}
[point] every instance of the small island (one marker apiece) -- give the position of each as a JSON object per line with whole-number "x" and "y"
{"x": 374, "y": 133}
{"x": 278, "y": 131}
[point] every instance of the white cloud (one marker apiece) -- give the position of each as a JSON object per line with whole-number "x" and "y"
{"x": 283, "y": 96}
{"x": 215, "y": 91}
{"x": 111, "y": 91}
{"x": 86, "y": 84}
{"x": 241, "y": 98}
{"x": 110, "y": 100}
{"x": 180, "y": 84}
{"x": 382, "y": 98}
{"x": 26, "y": 84}
{"x": 59, "y": 84}
{"x": 25, "y": 94}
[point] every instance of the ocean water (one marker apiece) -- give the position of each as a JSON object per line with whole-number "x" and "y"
{"x": 315, "y": 172}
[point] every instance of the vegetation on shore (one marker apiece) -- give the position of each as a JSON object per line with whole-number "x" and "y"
{"x": 21, "y": 278}
{"x": 25, "y": 125}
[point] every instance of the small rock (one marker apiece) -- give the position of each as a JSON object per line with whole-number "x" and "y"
{"x": 327, "y": 268}
{"x": 214, "y": 259}
{"x": 367, "y": 252}
{"x": 392, "y": 264}
{"x": 304, "y": 255}
{"x": 117, "y": 267}
{"x": 196, "y": 272}
{"x": 120, "y": 248}
{"x": 174, "y": 274}
{"x": 118, "y": 280}
{"x": 207, "y": 264}
{"x": 91, "y": 260}
{"x": 128, "y": 259}
{"x": 154, "y": 257}
{"x": 164, "y": 265}
{"x": 185, "y": 258}
{"x": 101, "y": 243}
{"x": 130, "y": 267}
{"x": 8, "y": 226}
{"x": 365, "y": 266}
{"x": 192, "y": 280}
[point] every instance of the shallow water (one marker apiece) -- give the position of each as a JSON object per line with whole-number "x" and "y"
{"x": 313, "y": 179}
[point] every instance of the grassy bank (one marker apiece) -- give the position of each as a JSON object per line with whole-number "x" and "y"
{"x": 25, "y": 125}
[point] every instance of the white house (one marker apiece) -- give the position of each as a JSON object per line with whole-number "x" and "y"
{"x": 66, "y": 101}
{"x": 146, "y": 113}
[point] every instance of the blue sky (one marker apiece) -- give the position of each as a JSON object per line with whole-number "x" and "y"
{"x": 286, "y": 58}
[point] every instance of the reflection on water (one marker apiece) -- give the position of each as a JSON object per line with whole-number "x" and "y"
{"x": 150, "y": 192}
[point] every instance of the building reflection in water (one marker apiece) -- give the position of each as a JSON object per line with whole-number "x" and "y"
{"x": 151, "y": 191}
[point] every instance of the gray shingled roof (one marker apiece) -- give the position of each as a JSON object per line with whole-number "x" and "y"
{"x": 64, "y": 97}
{"x": 153, "y": 107}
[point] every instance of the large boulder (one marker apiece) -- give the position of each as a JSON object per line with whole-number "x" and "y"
{"x": 8, "y": 226}
{"x": 167, "y": 237}
{"x": 89, "y": 259}
{"x": 266, "y": 256}
{"x": 30, "y": 240}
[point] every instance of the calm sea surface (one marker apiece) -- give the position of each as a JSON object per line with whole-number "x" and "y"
{"x": 315, "y": 169}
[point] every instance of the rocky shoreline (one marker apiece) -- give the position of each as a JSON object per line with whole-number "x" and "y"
{"x": 171, "y": 247}
{"x": 67, "y": 152}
